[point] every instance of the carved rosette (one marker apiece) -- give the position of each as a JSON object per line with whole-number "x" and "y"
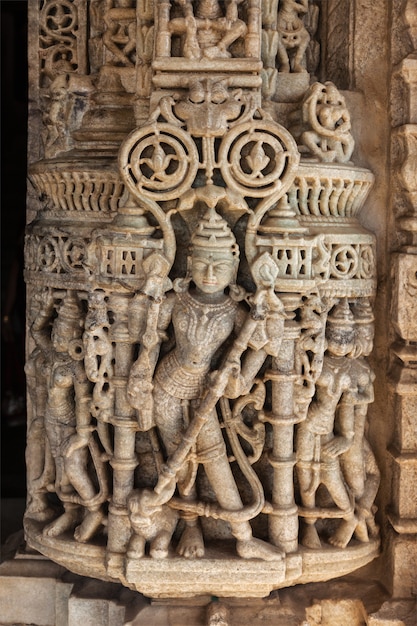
{"x": 122, "y": 341}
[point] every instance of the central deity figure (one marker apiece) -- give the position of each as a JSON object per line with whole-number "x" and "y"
{"x": 204, "y": 318}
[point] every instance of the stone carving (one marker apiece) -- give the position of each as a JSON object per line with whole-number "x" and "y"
{"x": 336, "y": 20}
{"x": 144, "y": 47}
{"x": 150, "y": 522}
{"x": 68, "y": 98}
{"x": 318, "y": 446}
{"x": 359, "y": 465}
{"x": 67, "y": 418}
{"x": 324, "y": 129}
{"x": 312, "y": 23}
{"x": 198, "y": 367}
{"x": 207, "y": 33}
{"x": 120, "y": 34}
{"x": 402, "y": 376}
{"x": 293, "y": 37}
{"x": 183, "y": 404}
{"x": 288, "y": 46}
{"x": 59, "y": 43}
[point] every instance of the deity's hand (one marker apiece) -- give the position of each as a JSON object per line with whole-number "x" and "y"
{"x": 138, "y": 388}
{"x": 74, "y": 443}
{"x": 236, "y": 384}
{"x": 335, "y": 447}
{"x": 45, "y": 298}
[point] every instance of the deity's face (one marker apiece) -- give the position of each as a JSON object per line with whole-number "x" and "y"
{"x": 212, "y": 270}
{"x": 339, "y": 341}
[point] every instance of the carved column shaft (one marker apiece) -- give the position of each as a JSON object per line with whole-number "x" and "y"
{"x": 283, "y": 523}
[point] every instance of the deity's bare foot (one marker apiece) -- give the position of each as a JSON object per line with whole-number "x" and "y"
{"x": 65, "y": 522}
{"x": 361, "y": 532}
{"x": 39, "y": 510}
{"x": 344, "y": 533}
{"x": 311, "y": 538}
{"x": 191, "y": 544}
{"x": 257, "y": 549}
{"x": 373, "y": 529}
{"x": 90, "y": 525}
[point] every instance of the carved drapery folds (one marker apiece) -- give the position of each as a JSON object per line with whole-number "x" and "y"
{"x": 203, "y": 313}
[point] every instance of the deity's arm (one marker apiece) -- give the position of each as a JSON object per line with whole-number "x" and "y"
{"x": 365, "y": 502}
{"x": 140, "y": 386}
{"x": 164, "y": 315}
{"x": 40, "y": 329}
{"x": 82, "y": 399}
{"x": 301, "y": 6}
{"x": 366, "y": 394}
{"x": 364, "y": 377}
{"x": 347, "y": 144}
{"x": 343, "y": 439}
{"x": 240, "y": 382}
{"x": 247, "y": 367}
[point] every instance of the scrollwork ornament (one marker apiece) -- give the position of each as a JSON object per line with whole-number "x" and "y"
{"x": 367, "y": 262}
{"x": 258, "y": 158}
{"x": 344, "y": 261}
{"x": 73, "y": 254}
{"x": 159, "y": 161}
{"x": 59, "y": 18}
{"x": 48, "y": 258}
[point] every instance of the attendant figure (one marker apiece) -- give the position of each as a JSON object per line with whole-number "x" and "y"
{"x": 68, "y": 419}
{"x": 320, "y": 442}
{"x": 358, "y": 464}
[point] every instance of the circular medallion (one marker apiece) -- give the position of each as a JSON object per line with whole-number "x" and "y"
{"x": 159, "y": 161}
{"x": 258, "y": 158}
{"x": 344, "y": 262}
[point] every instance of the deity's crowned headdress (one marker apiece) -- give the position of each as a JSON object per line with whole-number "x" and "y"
{"x": 214, "y": 233}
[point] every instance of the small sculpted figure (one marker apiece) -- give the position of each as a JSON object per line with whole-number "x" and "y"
{"x": 68, "y": 419}
{"x": 293, "y": 37}
{"x": 39, "y": 463}
{"x": 320, "y": 442}
{"x": 55, "y": 117}
{"x": 150, "y": 523}
{"x": 206, "y": 32}
{"x": 309, "y": 350}
{"x": 204, "y": 317}
{"x": 326, "y": 123}
{"x": 98, "y": 362}
{"x": 120, "y": 34}
{"x": 358, "y": 464}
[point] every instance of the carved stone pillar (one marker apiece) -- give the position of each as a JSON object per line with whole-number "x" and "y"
{"x": 202, "y": 278}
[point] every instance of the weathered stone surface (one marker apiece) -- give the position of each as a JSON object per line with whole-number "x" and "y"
{"x": 207, "y": 404}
